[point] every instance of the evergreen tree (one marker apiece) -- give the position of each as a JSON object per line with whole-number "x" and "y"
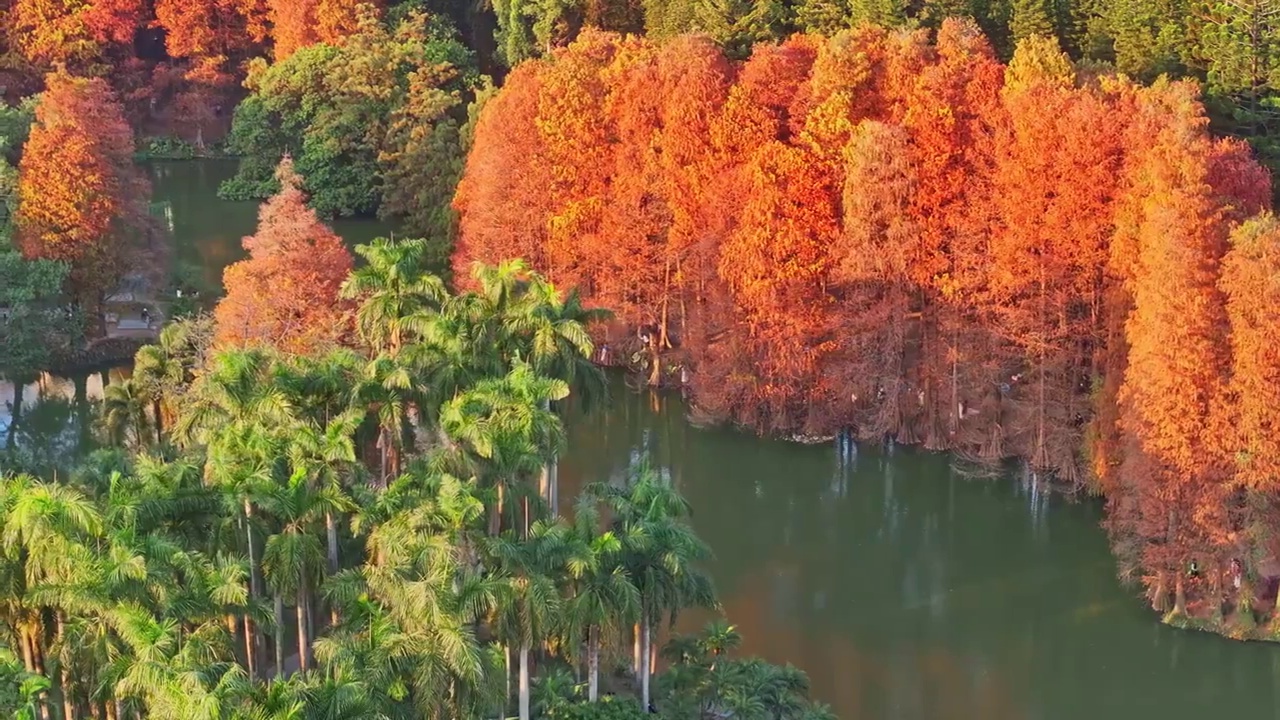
{"x": 1148, "y": 36}
{"x": 1031, "y": 17}
{"x": 1240, "y": 46}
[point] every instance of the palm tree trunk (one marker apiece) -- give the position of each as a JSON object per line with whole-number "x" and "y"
{"x": 279, "y": 639}
{"x": 506, "y": 670}
{"x": 524, "y": 682}
{"x": 304, "y": 644}
{"x": 593, "y": 663}
{"x": 16, "y": 417}
{"x": 524, "y": 505}
{"x": 252, "y": 640}
{"x": 645, "y": 640}
{"x": 331, "y": 529}
{"x": 28, "y": 656}
{"x": 155, "y": 408}
{"x": 495, "y": 512}
{"x": 31, "y": 658}
{"x": 653, "y": 652}
{"x": 635, "y": 651}
{"x": 68, "y": 709}
{"x": 554, "y": 501}
{"x": 383, "y": 442}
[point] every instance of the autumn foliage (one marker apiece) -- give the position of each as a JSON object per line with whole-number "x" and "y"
{"x": 906, "y": 237}
{"x": 81, "y": 199}
{"x": 286, "y": 293}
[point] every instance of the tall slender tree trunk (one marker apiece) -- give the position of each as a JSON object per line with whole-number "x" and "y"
{"x": 28, "y": 657}
{"x": 506, "y": 671}
{"x": 635, "y": 650}
{"x": 593, "y": 663}
{"x": 252, "y": 638}
{"x": 155, "y": 408}
{"x": 524, "y": 682}
{"x": 279, "y": 639}
{"x": 495, "y": 514}
{"x": 68, "y": 706}
{"x": 645, "y": 640}
{"x": 549, "y": 479}
{"x": 384, "y": 458}
{"x": 331, "y": 530}
{"x": 11, "y": 437}
{"x": 554, "y": 501}
{"x": 304, "y": 641}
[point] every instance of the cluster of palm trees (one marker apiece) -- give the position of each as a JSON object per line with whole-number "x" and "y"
{"x": 366, "y": 533}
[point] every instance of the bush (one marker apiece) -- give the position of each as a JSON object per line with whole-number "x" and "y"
{"x": 609, "y": 708}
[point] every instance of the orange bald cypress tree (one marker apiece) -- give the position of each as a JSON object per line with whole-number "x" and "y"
{"x": 502, "y": 198}
{"x": 1251, "y": 283}
{"x": 75, "y": 34}
{"x": 1057, "y": 163}
{"x": 871, "y": 270}
{"x": 1178, "y": 354}
{"x": 776, "y": 264}
{"x": 299, "y": 23}
{"x": 81, "y": 200}
{"x": 285, "y": 294}
{"x": 950, "y": 112}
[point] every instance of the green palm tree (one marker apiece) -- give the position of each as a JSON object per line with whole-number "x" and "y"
{"x": 662, "y": 555}
{"x": 719, "y": 638}
{"x": 159, "y": 371}
{"x": 504, "y": 426}
{"x": 388, "y": 388}
{"x": 553, "y": 332}
{"x": 321, "y": 388}
{"x": 293, "y": 558}
{"x": 532, "y": 613}
{"x": 48, "y": 534}
{"x": 415, "y": 600}
{"x": 242, "y": 415}
{"x": 327, "y": 457}
{"x": 397, "y": 293}
{"x": 456, "y": 351}
{"x": 602, "y": 600}
{"x": 125, "y": 412}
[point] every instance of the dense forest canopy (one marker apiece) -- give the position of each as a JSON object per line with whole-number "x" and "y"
{"x": 910, "y": 239}
{"x": 1008, "y": 229}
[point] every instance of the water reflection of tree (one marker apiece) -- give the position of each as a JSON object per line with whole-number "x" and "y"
{"x": 47, "y": 436}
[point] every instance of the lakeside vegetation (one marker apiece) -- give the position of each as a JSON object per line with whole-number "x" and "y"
{"x": 1003, "y": 229}
{"x": 362, "y": 531}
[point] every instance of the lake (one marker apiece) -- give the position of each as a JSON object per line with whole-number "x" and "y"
{"x": 904, "y": 587}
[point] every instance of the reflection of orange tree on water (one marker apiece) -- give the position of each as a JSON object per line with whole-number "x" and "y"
{"x": 934, "y": 682}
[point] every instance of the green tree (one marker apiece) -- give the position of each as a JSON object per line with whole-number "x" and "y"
{"x": 1149, "y": 37}
{"x": 506, "y": 429}
{"x": 661, "y": 556}
{"x": 602, "y": 600}
{"x": 125, "y": 413}
{"x": 1031, "y": 17}
{"x": 532, "y": 613}
{"x": 396, "y": 292}
{"x": 1239, "y": 43}
{"x": 357, "y": 119}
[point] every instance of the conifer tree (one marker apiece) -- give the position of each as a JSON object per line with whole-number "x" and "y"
{"x": 285, "y": 294}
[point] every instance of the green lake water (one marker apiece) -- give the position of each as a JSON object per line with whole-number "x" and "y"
{"x": 903, "y": 587}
